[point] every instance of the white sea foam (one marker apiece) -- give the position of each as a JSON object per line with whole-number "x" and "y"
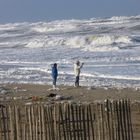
{"x": 119, "y": 77}
{"x": 90, "y": 42}
{"x": 35, "y": 44}
{"x": 57, "y": 26}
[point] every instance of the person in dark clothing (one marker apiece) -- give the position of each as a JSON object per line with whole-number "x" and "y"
{"x": 54, "y": 75}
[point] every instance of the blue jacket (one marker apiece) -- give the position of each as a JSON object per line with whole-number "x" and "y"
{"x": 54, "y": 72}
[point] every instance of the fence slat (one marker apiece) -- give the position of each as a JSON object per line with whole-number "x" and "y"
{"x": 30, "y": 123}
{"x": 129, "y": 124}
{"x": 17, "y": 122}
{"x": 91, "y": 122}
{"x": 11, "y": 122}
{"x": 67, "y": 122}
{"x": 62, "y": 121}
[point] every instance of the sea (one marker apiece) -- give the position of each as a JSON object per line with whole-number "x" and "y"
{"x": 109, "y": 48}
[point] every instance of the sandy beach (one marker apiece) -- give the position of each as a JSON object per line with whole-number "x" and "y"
{"x": 81, "y": 94}
{"x": 34, "y": 93}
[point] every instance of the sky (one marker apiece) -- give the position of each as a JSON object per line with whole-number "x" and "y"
{"x": 12, "y": 11}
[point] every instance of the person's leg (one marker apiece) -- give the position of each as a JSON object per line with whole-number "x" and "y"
{"x": 54, "y": 82}
{"x": 77, "y": 81}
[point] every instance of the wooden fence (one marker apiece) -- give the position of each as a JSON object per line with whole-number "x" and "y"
{"x": 65, "y": 121}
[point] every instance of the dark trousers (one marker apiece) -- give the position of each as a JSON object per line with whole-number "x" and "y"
{"x": 77, "y": 81}
{"x": 54, "y": 80}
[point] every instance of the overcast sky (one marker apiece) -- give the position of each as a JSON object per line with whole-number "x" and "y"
{"x": 48, "y": 10}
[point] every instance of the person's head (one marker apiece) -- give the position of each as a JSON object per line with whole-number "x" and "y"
{"x": 78, "y": 62}
{"x": 55, "y": 64}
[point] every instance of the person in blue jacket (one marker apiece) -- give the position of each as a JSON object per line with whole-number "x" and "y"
{"x": 54, "y": 75}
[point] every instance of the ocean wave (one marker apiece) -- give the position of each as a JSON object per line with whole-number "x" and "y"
{"x": 90, "y": 42}
{"x": 96, "y": 34}
{"x": 56, "y": 26}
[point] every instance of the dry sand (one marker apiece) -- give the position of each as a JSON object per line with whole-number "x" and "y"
{"x": 81, "y": 94}
{"x": 28, "y": 92}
